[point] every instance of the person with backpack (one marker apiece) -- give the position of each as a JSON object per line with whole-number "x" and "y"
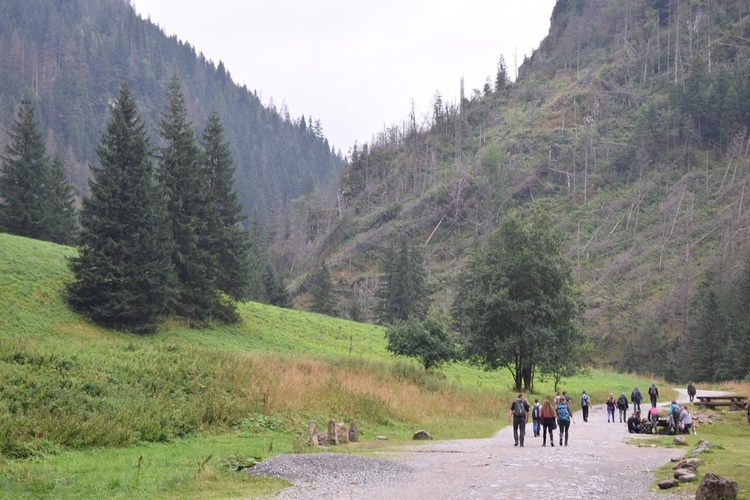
{"x": 547, "y": 415}
{"x": 611, "y": 408}
{"x": 674, "y": 418}
{"x": 585, "y": 403}
{"x": 519, "y": 409}
{"x": 563, "y": 421}
{"x": 622, "y": 407}
{"x": 653, "y": 393}
{"x": 636, "y": 398}
{"x": 691, "y": 391}
{"x": 535, "y": 419}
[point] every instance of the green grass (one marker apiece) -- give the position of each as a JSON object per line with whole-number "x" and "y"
{"x": 79, "y": 404}
{"x": 728, "y": 458}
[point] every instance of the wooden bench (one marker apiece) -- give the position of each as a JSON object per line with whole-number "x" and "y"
{"x": 712, "y": 402}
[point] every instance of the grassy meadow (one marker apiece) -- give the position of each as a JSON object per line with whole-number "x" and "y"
{"x": 730, "y": 455}
{"x": 87, "y": 412}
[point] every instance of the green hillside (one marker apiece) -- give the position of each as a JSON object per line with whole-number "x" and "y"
{"x": 629, "y": 127}
{"x": 80, "y": 404}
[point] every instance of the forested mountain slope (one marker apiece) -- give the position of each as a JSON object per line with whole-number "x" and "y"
{"x": 630, "y": 125}
{"x": 71, "y": 56}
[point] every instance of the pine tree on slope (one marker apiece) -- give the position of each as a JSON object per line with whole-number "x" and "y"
{"x": 36, "y": 199}
{"x": 123, "y": 274}
{"x": 230, "y": 241}
{"x": 184, "y": 181}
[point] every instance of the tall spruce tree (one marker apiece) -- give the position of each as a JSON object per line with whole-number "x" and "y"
{"x": 36, "y": 199}
{"x": 184, "y": 181}
{"x": 274, "y": 289}
{"x": 321, "y": 291}
{"x": 230, "y": 241}
{"x": 401, "y": 293}
{"x": 123, "y": 273}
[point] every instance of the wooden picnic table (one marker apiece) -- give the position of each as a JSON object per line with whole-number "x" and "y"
{"x": 734, "y": 402}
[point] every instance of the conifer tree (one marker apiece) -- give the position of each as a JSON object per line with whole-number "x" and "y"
{"x": 258, "y": 258}
{"x": 321, "y": 290}
{"x": 123, "y": 273}
{"x": 275, "y": 292}
{"x": 401, "y": 292}
{"x": 36, "y": 200}
{"x": 184, "y": 181}
{"x": 62, "y": 223}
{"x": 230, "y": 241}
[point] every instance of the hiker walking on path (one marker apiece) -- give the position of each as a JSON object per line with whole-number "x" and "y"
{"x": 585, "y": 403}
{"x": 563, "y": 421}
{"x": 691, "y": 391}
{"x": 519, "y": 409}
{"x": 535, "y": 419}
{"x": 611, "y": 408}
{"x": 622, "y": 407}
{"x": 636, "y": 398}
{"x": 653, "y": 393}
{"x": 547, "y": 415}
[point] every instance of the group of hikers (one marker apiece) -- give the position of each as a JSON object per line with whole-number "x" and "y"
{"x": 550, "y": 415}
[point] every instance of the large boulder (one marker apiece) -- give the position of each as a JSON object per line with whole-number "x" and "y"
{"x": 353, "y": 433}
{"x": 679, "y": 441}
{"x": 715, "y": 487}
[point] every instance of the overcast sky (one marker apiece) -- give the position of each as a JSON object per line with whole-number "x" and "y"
{"x": 356, "y": 66}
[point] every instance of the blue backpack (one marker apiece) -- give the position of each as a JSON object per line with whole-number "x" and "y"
{"x": 562, "y": 413}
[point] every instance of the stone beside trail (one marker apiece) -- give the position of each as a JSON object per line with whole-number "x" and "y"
{"x": 597, "y": 463}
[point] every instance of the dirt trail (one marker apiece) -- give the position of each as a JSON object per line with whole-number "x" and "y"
{"x": 597, "y": 463}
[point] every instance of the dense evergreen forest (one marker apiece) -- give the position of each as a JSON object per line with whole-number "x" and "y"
{"x": 629, "y": 128}
{"x": 72, "y": 56}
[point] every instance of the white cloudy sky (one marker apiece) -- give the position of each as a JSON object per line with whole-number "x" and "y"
{"x": 356, "y": 66}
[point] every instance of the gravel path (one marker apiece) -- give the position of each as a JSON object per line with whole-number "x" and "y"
{"x": 597, "y": 463}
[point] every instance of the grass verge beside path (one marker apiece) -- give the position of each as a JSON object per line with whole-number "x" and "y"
{"x": 729, "y": 457}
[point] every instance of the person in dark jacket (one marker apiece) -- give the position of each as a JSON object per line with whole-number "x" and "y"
{"x": 691, "y": 391}
{"x": 622, "y": 407}
{"x": 519, "y": 409}
{"x": 653, "y": 393}
{"x": 635, "y": 425}
{"x": 636, "y": 398}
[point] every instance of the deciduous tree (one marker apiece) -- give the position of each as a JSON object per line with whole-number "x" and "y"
{"x": 517, "y": 303}
{"x": 429, "y": 341}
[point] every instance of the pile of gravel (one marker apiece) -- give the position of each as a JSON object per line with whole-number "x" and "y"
{"x": 328, "y": 471}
